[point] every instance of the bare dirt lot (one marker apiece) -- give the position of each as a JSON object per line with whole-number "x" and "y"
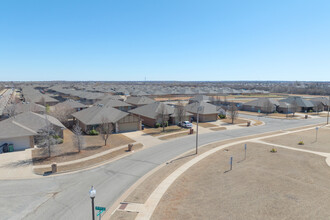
{"x": 282, "y": 185}
{"x": 308, "y": 137}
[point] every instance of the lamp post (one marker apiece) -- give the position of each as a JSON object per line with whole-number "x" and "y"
{"x": 200, "y": 108}
{"x": 328, "y": 110}
{"x": 92, "y": 193}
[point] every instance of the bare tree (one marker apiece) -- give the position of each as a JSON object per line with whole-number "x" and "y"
{"x": 294, "y": 107}
{"x": 78, "y": 138}
{"x": 232, "y": 112}
{"x": 47, "y": 137}
{"x": 218, "y": 100}
{"x": 318, "y": 107}
{"x": 42, "y": 101}
{"x": 62, "y": 113}
{"x": 163, "y": 115}
{"x": 181, "y": 112}
{"x": 10, "y": 110}
{"x": 106, "y": 129}
{"x": 268, "y": 107}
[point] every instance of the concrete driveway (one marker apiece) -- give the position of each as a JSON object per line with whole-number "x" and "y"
{"x": 16, "y": 165}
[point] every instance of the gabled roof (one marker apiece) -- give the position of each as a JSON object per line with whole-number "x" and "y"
{"x": 153, "y": 110}
{"x": 299, "y": 101}
{"x": 200, "y": 98}
{"x": 72, "y": 104}
{"x": 26, "y": 124}
{"x": 95, "y": 114}
{"x": 112, "y": 103}
{"x": 27, "y": 107}
{"x": 323, "y": 100}
{"x": 207, "y": 108}
{"x": 262, "y": 102}
{"x": 139, "y": 100}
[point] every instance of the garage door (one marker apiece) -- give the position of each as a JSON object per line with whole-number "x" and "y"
{"x": 20, "y": 143}
{"x": 128, "y": 127}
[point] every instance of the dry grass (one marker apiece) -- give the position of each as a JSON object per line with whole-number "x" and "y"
{"x": 159, "y": 131}
{"x": 286, "y": 184}
{"x": 218, "y": 129}
{"x": 308, "y": 137}
{"x": 67, "y": 152}
{"x": 171, "y": 136}
{"x": 237, "y": 121}
{"x": 206, "y": 125}
{"x": 88, "y": 163}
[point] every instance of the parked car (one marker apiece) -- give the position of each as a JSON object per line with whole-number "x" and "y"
{"x": 185, "y": 124}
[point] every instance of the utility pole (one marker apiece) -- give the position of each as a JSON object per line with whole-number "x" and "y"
{"x": 328, "y": 110}
{"x": 199, "y": 108}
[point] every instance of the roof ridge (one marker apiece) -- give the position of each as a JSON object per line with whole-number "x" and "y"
{"x": 23, "y": 126}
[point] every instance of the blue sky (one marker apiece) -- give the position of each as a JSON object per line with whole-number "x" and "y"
{"x": 165, "y": 40}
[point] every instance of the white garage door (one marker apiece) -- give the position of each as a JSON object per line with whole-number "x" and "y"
{"x": 128, "y": 127}
{"x": 20, "y": 143}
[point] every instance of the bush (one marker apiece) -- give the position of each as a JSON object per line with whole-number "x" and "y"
{"x": 300, "y": 143}
{"x": 93, "y": 132}
{"x": 311, "y": 110}
{"x": 273, "y": 150}
{"x": 56, "y": 136}
{"x": 165, "y": 124}
{"x": 157, "y": 125}
{"x": 59, "y": 140}
{"x": 221, "y": 116}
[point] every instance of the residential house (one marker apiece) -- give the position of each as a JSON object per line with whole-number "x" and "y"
{"x": 207, "y": 112}
{"x": 22, "y": 130}
{"x": 137, "y": 101}
{"x": 153, "y": 113}
{"x": 299, "y": 104}
{"x": 264, "y": 105}
{"x": 92, "y": 117}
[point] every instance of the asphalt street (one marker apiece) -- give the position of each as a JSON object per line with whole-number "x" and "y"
{"x": 66, "y": 196}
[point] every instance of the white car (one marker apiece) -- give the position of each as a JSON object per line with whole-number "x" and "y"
{"x": 186, "y": 124}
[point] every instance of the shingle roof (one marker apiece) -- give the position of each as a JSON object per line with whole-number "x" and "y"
{"x": 94, "y": 115}
{"x": 25, "y": 124}
{"x": 112, "y": 103}
{"x": 207, "y": 108}
{"x": 299, "y": 101}
{"x": 139, "y": 100}
{"x": 72, "y": 104}
{"x": 262, "y": 102}
{"x": 153, "y": 110}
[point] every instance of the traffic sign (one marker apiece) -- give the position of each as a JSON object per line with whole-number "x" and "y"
{"x": 99, "y": 208}
{"x": 100, "y": 212}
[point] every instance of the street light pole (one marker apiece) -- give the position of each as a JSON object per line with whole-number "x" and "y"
{"x": 92, "y": 193}
{"x": 197, "y": 131}
{"x": 200, "y": 108}
{"x": 328, "y": 110}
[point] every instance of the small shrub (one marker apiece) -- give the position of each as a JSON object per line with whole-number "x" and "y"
{"x": 157, "y": 125}
{"x": 221, "y": 116}
{"x": 56, "y": 136}
{"x": 93, "y": 132}
{"x": 311, "y": 110}
{"x": 59, "y": 140}
{"x": 165, "y": 124}
{"x": 273, "y": 150}
{"x": 300, "y": 143}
